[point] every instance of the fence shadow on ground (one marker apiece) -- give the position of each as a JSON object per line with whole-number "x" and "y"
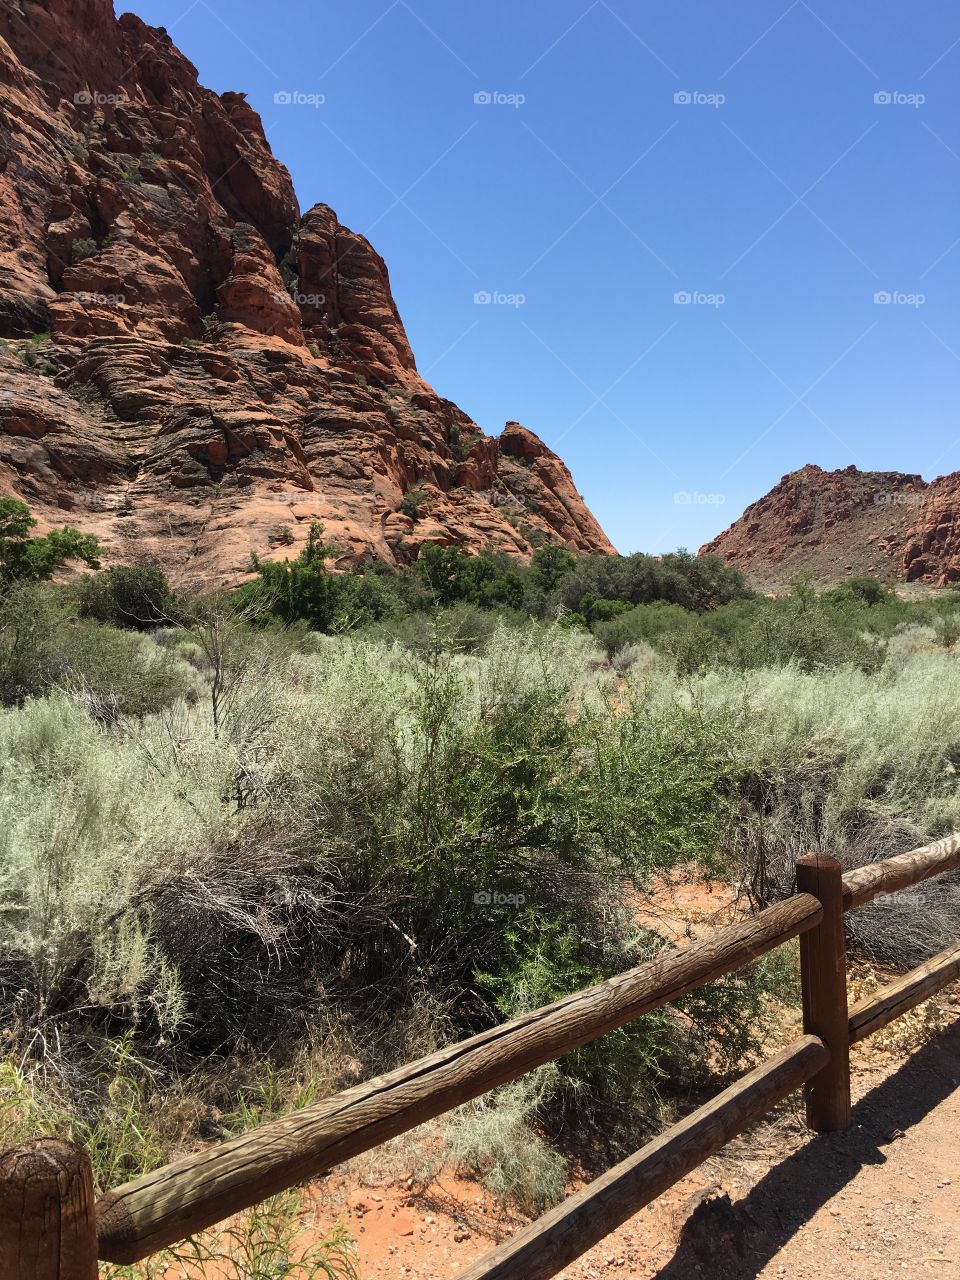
{"x": 785, "y": 1199}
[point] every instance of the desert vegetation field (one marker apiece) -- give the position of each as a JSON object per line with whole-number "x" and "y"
{"x": 257, "y": 846}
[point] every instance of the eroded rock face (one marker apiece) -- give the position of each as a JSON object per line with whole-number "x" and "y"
{"x": 835, "y": 524}
{"x": 219, "y": 370}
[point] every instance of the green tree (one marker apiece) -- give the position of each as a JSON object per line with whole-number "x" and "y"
{"x": 24, "y": 558}
{"x": 305, "y": 590}
{"x": 485, "y": 580}
{"x": 549, "y": 565}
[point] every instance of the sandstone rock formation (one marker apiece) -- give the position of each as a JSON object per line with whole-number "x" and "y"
{"x": 834, "y": 524}
{"x": 191, "y": 369}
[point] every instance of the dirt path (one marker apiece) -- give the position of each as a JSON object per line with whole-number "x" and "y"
{"x": 881, "y": 1200}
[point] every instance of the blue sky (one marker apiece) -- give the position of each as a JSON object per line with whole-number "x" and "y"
{"x": 780, "y": 164}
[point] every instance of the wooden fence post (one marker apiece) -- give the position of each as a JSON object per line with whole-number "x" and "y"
{"x": 823, "y": 968}
{"x": 48, "y": 1227}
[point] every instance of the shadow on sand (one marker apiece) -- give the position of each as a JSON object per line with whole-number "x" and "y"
{"x": 786, "y": 1198}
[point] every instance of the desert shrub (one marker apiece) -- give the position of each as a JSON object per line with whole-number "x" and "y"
{"x": 282, "y": 536}
{"x": 24, "y": 558}
{"x": 117, "y": 674}
{"x": 653, "y": 623}
{"x": 461, "y": 628}
{"x": 491, "y": 828}
{"x": 267, "y": 1242}
{"x": 355, "y": 818}
{"x": 130, "y": 597}
{"x": 860, "y": 590}
{"x": 696, "y": 583}
{"x": 74, "y": 859}
{"x": 113, "y": 672}
{"x": 947, "y": 629}
{"x": 495, "y": 1140}
{"x": 410, "y": 504}
{"x": 30, "y": 620}
{"x": 859, "y": 765}
{"x": 83, "y": 248}
{"x": 800, "y": 630}
{"x": 114, "y": 1114}
{"x": 108, "y": 1111}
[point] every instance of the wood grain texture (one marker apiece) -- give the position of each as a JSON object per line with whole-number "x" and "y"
{"x": 891, "y": 875}
{"x": 823, "y": 974}
{"x": 164, "y": 1207}
{"x": 47, "y": 1220}
{"x": 883, "y": 1007}
{"x": 569, "y": 1230}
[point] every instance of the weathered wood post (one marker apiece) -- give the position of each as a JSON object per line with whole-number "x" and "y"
{"x": 48, "y": 1228}
{"x": 823, "y": 969}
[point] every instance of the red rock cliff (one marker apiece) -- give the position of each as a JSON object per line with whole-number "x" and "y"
{"x": 191, "y": 369}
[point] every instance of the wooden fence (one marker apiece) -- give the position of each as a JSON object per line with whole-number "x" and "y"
{"x": 51, "y": 1228}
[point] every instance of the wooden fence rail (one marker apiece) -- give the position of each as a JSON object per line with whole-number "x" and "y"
{"x": 161, "y": 1208}
{"x": 50, "y": 1230}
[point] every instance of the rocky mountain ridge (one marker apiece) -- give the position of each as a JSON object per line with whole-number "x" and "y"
{"x": 834, "y": 524}
{"x": 190, "y": 368}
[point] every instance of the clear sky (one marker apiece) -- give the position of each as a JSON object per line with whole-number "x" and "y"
{"x": 780, "y": 164}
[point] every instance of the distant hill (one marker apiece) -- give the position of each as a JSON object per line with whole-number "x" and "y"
{"x": 834, "y": 524}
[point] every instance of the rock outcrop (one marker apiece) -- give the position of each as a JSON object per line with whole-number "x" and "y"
{"x": 835, "y": 524}
{"x": 190, "y": 368}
